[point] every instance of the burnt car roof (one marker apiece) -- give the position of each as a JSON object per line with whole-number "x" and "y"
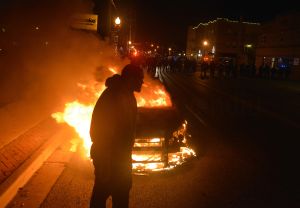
{"x": 157, "y": 122}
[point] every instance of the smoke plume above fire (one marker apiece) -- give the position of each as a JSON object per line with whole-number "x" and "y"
{"x": 42, "y": 57}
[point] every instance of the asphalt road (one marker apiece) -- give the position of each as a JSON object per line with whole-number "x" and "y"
{"x": 247, "y": 151}
{"x": 259, "y": 118}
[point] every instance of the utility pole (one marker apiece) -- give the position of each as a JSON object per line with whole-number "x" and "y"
{"x": 104, "y": 11}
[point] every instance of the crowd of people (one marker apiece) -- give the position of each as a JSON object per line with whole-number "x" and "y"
{"x": 215, "y": 69}
{"x": 265, "y": 71}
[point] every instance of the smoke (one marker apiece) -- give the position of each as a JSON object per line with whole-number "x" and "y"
{"x": 43, "y": 58}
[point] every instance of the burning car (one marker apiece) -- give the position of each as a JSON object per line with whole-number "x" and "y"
{"x": 161, "y": 141}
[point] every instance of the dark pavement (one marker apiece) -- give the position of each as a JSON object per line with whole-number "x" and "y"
{"x": 259, "y": 118}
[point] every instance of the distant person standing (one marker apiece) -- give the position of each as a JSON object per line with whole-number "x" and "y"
{"x": 112, "y": 133}
{"x": 204, "y": 66}
{"x": 212, "y": 67}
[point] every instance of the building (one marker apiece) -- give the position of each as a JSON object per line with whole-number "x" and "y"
{"x": 224, "y": 39}
{"x": 279, "y": 44}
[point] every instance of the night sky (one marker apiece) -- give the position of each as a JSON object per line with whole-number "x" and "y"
{"x": 166, "y": 21}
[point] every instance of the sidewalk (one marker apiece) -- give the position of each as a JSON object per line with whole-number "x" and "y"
{"x": 18, "y": 117}
{"x": 28, "y": 135}
{"x": 16, "y": 152}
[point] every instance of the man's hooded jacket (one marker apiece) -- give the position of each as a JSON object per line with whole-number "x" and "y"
{"x": 113, "y": 128}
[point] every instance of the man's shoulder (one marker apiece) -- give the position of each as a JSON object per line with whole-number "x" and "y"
{"x": 112, "y": 95}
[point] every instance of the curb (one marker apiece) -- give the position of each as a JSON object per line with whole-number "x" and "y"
{"x": 10, "y": 187}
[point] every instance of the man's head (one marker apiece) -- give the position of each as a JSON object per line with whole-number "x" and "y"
{"x": 133, "y": 75}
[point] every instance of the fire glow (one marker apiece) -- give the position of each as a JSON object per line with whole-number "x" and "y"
{"x": 78, "y": 115}
{"x": 149, "y": 155}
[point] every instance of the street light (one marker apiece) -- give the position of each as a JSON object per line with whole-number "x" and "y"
{"x": 115, "y": 33}
{"x": 205, "y": 44}
{"x": 118, "y": 21}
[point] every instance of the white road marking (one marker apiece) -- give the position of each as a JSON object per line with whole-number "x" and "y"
{"x": 196, "y": 115}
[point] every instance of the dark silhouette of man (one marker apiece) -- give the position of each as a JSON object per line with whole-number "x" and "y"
{"x": 112, "y": 133}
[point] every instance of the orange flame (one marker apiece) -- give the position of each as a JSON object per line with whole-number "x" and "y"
{"x": 153, "y": 95}
{"x": 151, "y": 160}
{"x": 78, "y": 115}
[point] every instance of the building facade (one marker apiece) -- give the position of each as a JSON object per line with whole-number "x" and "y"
{"x": 279, "y": 44}
{"x": 224, "y": 39}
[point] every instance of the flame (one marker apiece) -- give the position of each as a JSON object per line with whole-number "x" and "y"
{"x": 112, "y": 70}
{"x": 78, "y": 115}
{"x": 153, "y": 95}
{"x": 150, "y": 160}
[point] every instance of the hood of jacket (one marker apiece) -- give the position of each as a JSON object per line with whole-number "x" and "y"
{"x": 113, "y": 82}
